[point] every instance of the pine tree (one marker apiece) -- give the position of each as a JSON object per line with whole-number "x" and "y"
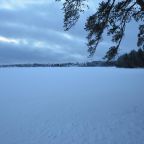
{"x": 112, "y": 16}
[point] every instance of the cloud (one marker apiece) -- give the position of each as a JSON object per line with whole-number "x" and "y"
{"x": 16, "y": 4}
{"x": 8, "y": 40}
{"x": 32, "y": 31}
{"x": 27, "y": 54}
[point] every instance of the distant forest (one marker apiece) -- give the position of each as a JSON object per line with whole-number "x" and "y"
{"x": 133, "y": 59}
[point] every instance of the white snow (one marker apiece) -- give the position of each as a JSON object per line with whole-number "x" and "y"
{"x": 71, "y": 106}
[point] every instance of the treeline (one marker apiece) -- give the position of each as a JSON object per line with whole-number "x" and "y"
{"x": 133, "y": 59}
{"x": 86, "y": 64}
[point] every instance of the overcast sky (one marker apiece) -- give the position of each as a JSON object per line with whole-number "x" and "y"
{"x": 31, "y": 31}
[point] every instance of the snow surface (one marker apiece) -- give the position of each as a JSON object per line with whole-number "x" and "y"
{"x": 71, "y": 106}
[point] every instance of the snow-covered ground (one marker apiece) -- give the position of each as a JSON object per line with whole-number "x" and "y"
{"x": 71, "y": 106}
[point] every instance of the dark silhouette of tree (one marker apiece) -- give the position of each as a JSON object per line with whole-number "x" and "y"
{"x": 112, "y": 16}
{"x": 131, "y": 60}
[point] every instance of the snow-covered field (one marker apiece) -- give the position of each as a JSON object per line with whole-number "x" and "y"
{"x": 71, "y": 106}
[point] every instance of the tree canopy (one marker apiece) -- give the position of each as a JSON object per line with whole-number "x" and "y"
{"x": 112, "y": 16}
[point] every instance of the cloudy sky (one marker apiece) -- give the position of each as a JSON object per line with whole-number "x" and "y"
{"x": 32, "y": 31}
